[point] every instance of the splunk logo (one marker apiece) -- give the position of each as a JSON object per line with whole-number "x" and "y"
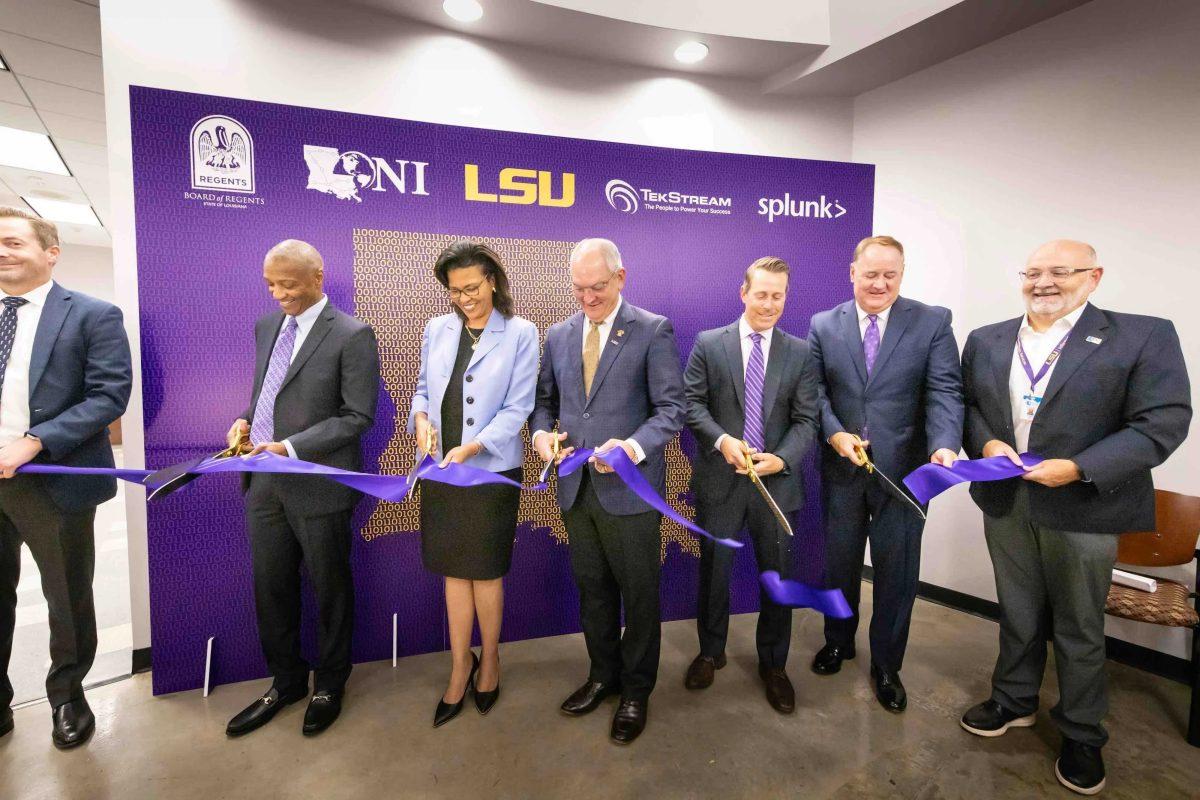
{"x": 772, "y": 207}
{"x": 523, "y": 187}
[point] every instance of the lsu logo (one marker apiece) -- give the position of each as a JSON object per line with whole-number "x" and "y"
{"x": 523, "y": 187}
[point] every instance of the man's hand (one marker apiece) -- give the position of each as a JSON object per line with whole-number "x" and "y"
{"x": 603, "y": 468}
{"x": 278, "y": 448}
{"x": 944, "y": 456}
{"x": 995, "y": 447}
{"x": 845, "y": 444}
{"x": 544, "y": 445}
{"x": 17, "y": 454}
{"x": 424, "y": 432}
{"x": 1053, "y": 472}
{"x": 764, "y": 464}
{"x": 735, "y": 452}
{"x": 237, "y": 431}
{"x": 461, "y": 453}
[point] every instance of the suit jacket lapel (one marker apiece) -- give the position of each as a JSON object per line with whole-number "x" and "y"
{"x": 776, "y": 362}
{"x": 1001, "y": 357}
{"x": 264, "y": 344}
{"x": 853, "y": 339}
{"x": 321, "y": 326}
{"x": 58, "y": 305}
{"x": 732, "y": 337}
{"x": 575, "y": 355}
{"x": 617, "y": 335}
{"x": 1077, "y": 349}
{"x": 493, "y": 332}
{"x": 898, "y": 320}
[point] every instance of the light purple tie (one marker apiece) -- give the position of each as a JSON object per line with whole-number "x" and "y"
{"x": 870, "y": 350}
{"x": 756, "y": 369}
{"x": 262, "y": 430}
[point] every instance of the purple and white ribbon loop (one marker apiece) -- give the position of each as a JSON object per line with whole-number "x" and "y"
{"x": 929, "y": 480}
{"x": 794, "y": 594}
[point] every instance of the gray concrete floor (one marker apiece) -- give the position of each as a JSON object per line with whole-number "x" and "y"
{"x": 724, "y": 742}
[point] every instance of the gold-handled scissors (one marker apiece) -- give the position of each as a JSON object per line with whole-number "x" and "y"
{"x": 861, "y": 451}
{"x": 555, "y": 449}
{"x": 780, "y": 517}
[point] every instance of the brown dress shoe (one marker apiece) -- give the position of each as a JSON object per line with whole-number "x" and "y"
{"x": 780, "y": 693}
{"x": 701, "y": 671}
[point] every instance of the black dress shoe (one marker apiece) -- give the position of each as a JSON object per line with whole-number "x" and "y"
{"x": 587, "y": 698}
{"x": 6, "y": 722}
{"x": 780, "y": 693}
{"x": 701, "y": 671}
{"x": 989, "y": 718}
{"x": 889, "y": 691}
{"x": 448, "y": 711}
{"x": 262, "y": 711}
{"x": 323, "y": 709}
{"x": 485, "y": 700}
{"x": 830, "y": 657}
{"x": 629, "y": 721}
{"x": 1080, "y": 767}
{"x": 73, "y": 724}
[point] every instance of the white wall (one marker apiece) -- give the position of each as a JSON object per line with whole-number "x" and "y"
{"x": 1084, "y": 126}
{"x": 86, "y": 269}
{"x": 331, "y": 56}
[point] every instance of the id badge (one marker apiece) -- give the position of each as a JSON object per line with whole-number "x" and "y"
{"x": 1029, "y": 406}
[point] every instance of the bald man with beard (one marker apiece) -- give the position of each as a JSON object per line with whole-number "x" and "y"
{"x": 316, "y": 380}
{"x": 1104, "y": 398}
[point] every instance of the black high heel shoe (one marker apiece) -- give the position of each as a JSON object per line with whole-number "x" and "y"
{"x": 485, "y": 700}
{"x": 448, "y": 711}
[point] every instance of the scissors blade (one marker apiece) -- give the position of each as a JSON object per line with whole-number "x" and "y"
{"x": 780, "y": 517}
{"x": 545, "y": 476}
{"x": 896, "y": 490}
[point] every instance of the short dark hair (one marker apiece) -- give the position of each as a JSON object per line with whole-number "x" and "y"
{"x": 466, "y": 253}
{"x": 767, "y": 264}
{"x": 45, "y": 231}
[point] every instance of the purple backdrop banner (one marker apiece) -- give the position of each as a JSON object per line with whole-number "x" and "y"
{"x": 218, "y": 181}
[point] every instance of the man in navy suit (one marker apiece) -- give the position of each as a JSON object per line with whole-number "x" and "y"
{"x": 610, "y": 377}
{"x": 66, "y": 376}
{"x": 1103, "y": 397}
{"x": 890, "y": 381}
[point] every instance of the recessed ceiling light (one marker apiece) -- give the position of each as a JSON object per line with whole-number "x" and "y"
{"x": 60, "y": 211}
{"x": 463, "y": 10}
{"x": 2, "y": 64}
{"x": 691, "y": 52}
{"x": 29, "y": 150}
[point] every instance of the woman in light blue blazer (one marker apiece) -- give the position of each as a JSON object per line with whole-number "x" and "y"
{"x": 479, "y": 369}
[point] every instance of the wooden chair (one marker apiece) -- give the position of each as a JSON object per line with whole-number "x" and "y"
{"x": 1172, "y": 544}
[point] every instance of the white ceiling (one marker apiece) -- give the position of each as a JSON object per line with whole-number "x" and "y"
{"x": 55, "y": 85}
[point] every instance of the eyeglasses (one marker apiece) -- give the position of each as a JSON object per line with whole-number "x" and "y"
{"x": 471, "y": 291}
{"x": 596, "y": 288}
{"x": 1056, "y": 273}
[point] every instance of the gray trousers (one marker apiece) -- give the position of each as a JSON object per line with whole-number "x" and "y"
{"x": 1061, "y": 578}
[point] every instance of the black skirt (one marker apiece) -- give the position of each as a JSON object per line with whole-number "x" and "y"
{"x": 467, "y": 532}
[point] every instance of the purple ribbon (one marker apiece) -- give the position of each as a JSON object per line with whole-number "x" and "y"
{"x": 929, "y": 480}
{"x": 131, "y": 475}
{"x": 830, "y": 602}
{"x": 628, "y": 472}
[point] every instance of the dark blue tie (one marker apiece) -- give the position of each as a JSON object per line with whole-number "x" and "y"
{"x": 8, "y": 332}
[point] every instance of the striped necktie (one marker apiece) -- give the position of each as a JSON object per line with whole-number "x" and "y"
{"x": 756, "y": 371}
{"x": 262, "y": 430}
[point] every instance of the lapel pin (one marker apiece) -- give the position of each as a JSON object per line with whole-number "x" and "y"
{"x": 1094, "y": 340}
{"x": 621, "y": 332}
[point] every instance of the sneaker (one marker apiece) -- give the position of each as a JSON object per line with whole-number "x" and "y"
{"x": 1080, "y": 768}
{"x": 989, "y": 718}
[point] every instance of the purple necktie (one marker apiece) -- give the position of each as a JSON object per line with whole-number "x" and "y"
{"x": 262, "y": 430}
{"x": 756, "y": 370}
{"x": 871, "y": 342}
{"x": 8, "y": 331}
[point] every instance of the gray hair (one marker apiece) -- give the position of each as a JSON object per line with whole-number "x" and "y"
{"x": 609, "y": 251}
{"x": 297, "y": 252}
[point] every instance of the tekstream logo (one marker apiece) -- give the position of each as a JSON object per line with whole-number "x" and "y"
{"x": 520, "y": 186}
{"x": 772, "y": 207}
{"x": 221, "y": 152}
{"x": 627, "y": 199}
{"x": 344, "y": 174}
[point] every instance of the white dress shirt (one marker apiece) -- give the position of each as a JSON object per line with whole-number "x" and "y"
{"x": 744, "y": 332}
{"x": 605, "y": 329}
{"x": 863, "y": 321}
{"x": 1038, "y": 347}
{"x": 14, "y": 402}
{"x": 304, "y": 323}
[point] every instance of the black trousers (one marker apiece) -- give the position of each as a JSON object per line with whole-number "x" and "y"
{"x": 64, "y": 548}
{"x": 772, "y": 551}
{"x": 855, "y": 513}
{"x": 615, "y": 560}
{"x": 282, "y": 539}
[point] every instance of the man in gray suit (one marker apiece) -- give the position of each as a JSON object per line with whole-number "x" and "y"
{"x": 890, "y": 381}
{"x": 610, "y": 377}
{"x": 65, "y": 376}
{"x": 316, "y": 381}
{"x": 1103, "y": 397}
{"x": 751, "y": 392}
